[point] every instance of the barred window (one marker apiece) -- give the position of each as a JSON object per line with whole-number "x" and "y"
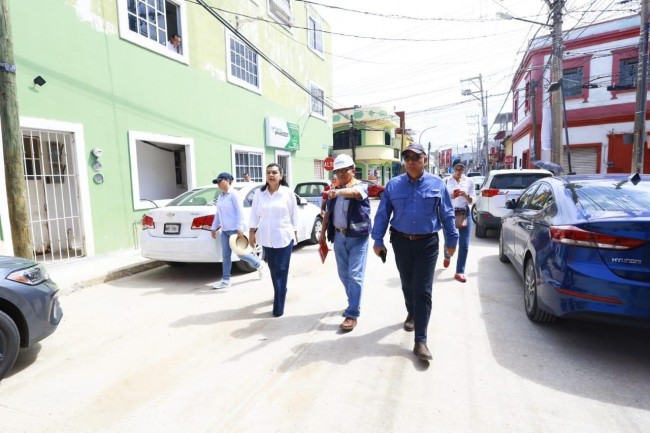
{"x": 244, "y": 66}
{"x": 248, "y": 162}
{"x": 317, "y": 98}
{"x": 315, "y": 31}
{"x": 627, "y": 71}
{"x": 572, "y": 82}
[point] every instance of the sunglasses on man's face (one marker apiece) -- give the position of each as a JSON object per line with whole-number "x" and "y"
{"x": 411, "y": 158}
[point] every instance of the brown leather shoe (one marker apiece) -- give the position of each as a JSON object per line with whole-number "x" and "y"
{"x": 348, "y": 324}
{"x": 409, "y": 323}
{"x": 422, "y": 351}
{"x": 460, "y": 277}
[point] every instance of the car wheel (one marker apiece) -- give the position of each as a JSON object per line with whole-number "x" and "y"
{"x": 9, "y": 343}
{"x": 247, "y": 267}
{"x": 480, "y": 230}
{"x": 534, "y": 313}
{"x": 502, "y": 254}
{"x": 174, "y": 264}
{"x": 315, "y": 231}
{"x": 379, "y": 194}
{"x": 474, "y": 216}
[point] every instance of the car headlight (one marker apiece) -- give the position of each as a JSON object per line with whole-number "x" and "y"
{"x": 32, "y": 276}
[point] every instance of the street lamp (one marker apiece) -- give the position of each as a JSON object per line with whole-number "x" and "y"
{"x": 422, "y": 133}
{"x": 506, "y": 16}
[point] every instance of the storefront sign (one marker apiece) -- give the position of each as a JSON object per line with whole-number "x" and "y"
{"x": 282, "y": 134}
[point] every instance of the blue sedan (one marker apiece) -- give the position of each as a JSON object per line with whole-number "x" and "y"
{"x": 582, "y": 246}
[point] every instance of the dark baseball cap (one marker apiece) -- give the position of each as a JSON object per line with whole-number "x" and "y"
{"x": 458, "y": 161}
{"x": 222, "y": 176}
{"x": 415, "y": 148}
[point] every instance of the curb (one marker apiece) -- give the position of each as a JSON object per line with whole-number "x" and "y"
{"x": 126, "y": 271}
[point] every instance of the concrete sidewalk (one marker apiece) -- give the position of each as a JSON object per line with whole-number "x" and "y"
{"x": 75, "y": 274}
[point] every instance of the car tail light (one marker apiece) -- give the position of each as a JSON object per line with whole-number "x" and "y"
{"x": 490, "y": 192}
{"x": 570, "y": 235}
{"x": 147, "y": 222}
{"x": 203, "y": 223}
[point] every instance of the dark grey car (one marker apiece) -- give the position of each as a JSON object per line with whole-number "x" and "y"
{"x": 29, "y": 307}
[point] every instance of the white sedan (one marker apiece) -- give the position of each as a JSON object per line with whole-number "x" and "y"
{"x": 180, "y": 231}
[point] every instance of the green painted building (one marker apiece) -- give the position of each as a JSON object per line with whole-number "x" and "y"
{"x": 122, "y": 120}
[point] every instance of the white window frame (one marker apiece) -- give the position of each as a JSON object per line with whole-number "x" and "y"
{"x": 288, "y": 174}
{"x": 312, "y": 99}
{"x": 77, "y": 131}
{"x": 277, "y": 18}
{"x": 247, "y": 149}
{"x": 236, "y": 80}
{"x": 318, "y": 33}
{"x": 127, "y": 34}
{"x": 134, "y": 137}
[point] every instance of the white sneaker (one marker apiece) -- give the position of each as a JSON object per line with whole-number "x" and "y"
{"x": 261, "y": 270}
{"x": 222, "y": 285}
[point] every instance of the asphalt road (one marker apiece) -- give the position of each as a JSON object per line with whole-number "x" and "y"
{"x": 161, "y": 352}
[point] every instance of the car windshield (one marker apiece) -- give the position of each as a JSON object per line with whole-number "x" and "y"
{"x": 612, "y": 197}
{"x": 196, "y": 197}
{"x": 516, "y": 180}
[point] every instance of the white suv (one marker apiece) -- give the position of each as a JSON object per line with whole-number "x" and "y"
{"x": 499, "y": 187}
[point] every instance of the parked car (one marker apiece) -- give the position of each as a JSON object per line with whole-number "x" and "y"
{"x": 473, "y": 173}
{"x": 375, "y": 189}
{"x": 312, "y": 191}
{"x": 29, "y": 307}
{"x": 180, "y": 231}
{"x": 581, "y": 245}
{"x": 478, "y": 181}
{"x": 499, "y": 187}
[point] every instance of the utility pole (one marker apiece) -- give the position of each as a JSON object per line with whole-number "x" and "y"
{"x": 12, "y": 142}
{"x": 641, "y": 92}
{"x": 484, "y": 121}
{"x": 533, "y": 115}
{"x": 556, "y": 77}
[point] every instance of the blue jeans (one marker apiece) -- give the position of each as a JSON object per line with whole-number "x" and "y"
{"x": 278, "y": 260}
{"x": 351, "y": 256}
{"x": 416, "y": 261}
{"x": 463, "y": 245}
{"x": 226, "y": 255}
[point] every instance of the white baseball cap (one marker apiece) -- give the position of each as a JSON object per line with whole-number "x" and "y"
{"x": 343, "y": 161}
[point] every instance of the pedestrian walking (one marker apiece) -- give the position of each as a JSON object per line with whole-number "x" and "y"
{"x": 274, "y": 225}
{"x": 229, "y": 218}
{"x": 463, "y": 194}
{"x": 347, "y": 222}
{"x": 417, "y": 206}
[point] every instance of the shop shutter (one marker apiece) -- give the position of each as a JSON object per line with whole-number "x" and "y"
{"x": 584, "y": 160}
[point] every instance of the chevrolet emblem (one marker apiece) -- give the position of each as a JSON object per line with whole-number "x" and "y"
{"x": 170, "y": 214}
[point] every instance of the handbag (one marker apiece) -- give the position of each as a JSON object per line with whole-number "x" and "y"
{"x": 461, "y": 218}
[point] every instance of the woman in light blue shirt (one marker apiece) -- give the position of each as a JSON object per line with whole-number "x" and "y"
{"x": 230, "y": 218}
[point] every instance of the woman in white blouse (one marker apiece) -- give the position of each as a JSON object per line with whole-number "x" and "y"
{"x": 273, "y": 224}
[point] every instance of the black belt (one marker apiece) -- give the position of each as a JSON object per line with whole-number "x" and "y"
{"x": 342, "y": 231}
{"x": 461, "y": 208}
{"x": 413, "y": 237}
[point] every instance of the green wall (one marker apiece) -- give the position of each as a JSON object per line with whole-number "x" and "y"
{"x": 112, "y": 86}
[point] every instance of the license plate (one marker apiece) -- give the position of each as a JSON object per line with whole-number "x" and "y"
{"x": 172, "y": 229}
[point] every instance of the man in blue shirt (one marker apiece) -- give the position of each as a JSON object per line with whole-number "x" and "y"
{"x": 417, "y": 205}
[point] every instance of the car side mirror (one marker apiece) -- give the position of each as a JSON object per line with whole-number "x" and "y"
{"x": 511, "y": 204}
{"x": 302, "y": 201}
